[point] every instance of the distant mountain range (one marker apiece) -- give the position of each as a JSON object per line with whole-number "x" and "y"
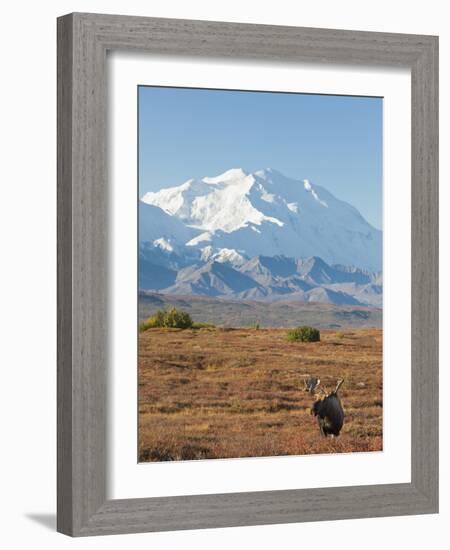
{"x": 258, "y": 236}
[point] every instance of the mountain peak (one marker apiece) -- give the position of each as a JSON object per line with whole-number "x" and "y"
{"x": 229, "y": 175}
{"x": 315, "y": 260}
{"x": 266, "y": 213}
{"x": 266, "y": 173}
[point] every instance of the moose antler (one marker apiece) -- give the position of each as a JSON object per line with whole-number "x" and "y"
{"x": 311, "y": 383}
{"x": 338, "y": 385}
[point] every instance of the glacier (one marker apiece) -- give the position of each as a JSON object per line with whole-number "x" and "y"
{"x": 263, "y": 213}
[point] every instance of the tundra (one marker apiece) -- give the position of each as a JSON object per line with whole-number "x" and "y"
{"x": 329, "y": 412}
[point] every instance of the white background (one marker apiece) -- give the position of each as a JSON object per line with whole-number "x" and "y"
{"x": 130, "y": 480}
{"x": 28, "y": 306}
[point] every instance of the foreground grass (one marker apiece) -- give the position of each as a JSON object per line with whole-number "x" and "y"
{"x": 223, "y": 393}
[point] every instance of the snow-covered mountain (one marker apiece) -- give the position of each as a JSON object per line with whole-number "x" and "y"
{"x": 258, "y": 236}
{"x": 161, "y": 229}
{"x": 245, "y": 215}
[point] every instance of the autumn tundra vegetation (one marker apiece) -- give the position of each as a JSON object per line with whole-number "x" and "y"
{"x": 209, "y": 391}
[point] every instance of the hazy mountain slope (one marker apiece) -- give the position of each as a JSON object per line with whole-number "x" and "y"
{"x": 211, "y": 279}
{"x": 159, "y": 228}
{"x": 260, "y": 278}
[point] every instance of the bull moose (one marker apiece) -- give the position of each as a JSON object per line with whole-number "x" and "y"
{"x": 329, "y": 412}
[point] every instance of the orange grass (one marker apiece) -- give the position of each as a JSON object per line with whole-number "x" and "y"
{"x": 227, "y": 393}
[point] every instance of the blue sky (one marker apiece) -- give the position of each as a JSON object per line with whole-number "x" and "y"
{"x": 334, "y": 141}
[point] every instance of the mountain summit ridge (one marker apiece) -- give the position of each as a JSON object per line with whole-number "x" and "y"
{"x": 263, "y": 213}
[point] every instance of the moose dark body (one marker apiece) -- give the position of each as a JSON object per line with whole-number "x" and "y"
{"x": 330, "y": 413}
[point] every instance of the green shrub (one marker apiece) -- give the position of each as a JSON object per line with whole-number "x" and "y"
{"x": 155, "y": 321}
{"x": 304, "y": 334}
{"x": 173, "y": 318}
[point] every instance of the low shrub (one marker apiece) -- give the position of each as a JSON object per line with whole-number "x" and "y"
{"x": 173, "y": 318}
{"x": 304, "y": 334}
{"x": 155, "y": 321}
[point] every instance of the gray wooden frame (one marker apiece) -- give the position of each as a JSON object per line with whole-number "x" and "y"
{"x": 83, "y": 40}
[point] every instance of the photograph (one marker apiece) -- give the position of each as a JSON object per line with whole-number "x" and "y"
{"x": 260, "y": 261}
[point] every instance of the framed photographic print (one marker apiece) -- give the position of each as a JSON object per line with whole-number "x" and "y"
{"x": 247, "y": 269}
{"x": 241, "y": 273}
